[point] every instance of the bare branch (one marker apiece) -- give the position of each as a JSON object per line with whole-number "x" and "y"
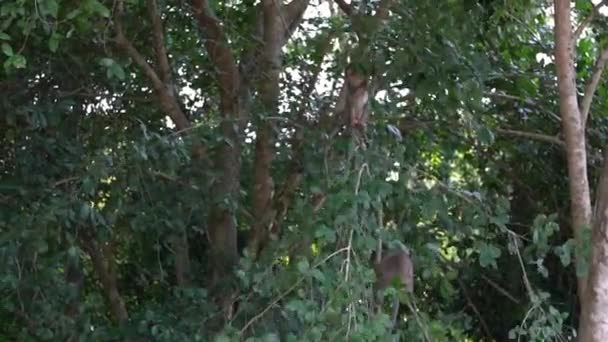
{"x": 592, "y": 84}
{"x": 581, "y": 27}
{"x": 346, "y": 8}
{"x": 159, "y": 42}
{"x": 531, "y": 135}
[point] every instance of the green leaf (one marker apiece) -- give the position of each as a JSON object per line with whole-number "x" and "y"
{"x": 564, "y": 252}
{"x": 54, "y": 41}
{"x": 7, "y": 49}
{"x": 117, "y": 71}
{"x": 98, "y": 8}
{"x": 85, "y": 211}
{"x": 73, "y": 14}
{"x": 4, "y": 36}
{"x": 42, "y": 246}
{"x": 19, "y": 61}
{"x": 485, "y": 135}
{"x": 106, "y": 62}
{"x": 52, "y": 7}
{"x": 221, "y": 338}
{"x": 488, "y": 255}
{"x": 303, "y": 266}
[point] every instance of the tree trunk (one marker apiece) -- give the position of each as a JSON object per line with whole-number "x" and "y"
{"x": 573, "y": 129}
{"x": 593, "y": 324}
{"x": 103, "y": 264}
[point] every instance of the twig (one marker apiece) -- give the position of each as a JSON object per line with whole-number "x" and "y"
{"x": 361, "y": 169}
{"x": 523, "y": 268}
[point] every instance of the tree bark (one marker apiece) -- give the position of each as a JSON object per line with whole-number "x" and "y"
{"x": 222, "y": 222}
{"x": 573, "y": 128}
{"x": 593, "y": 324}
{"x": 103, "y": 264}
{"x": 274, "y": 33}
{"x": 279, "y": 23}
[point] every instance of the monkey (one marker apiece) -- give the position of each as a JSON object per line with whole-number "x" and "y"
{"x": 397, "y": 264}
{"x": 356, "y": 100}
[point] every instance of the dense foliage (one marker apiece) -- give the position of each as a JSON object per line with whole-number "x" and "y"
{"x": 107, "y": 205}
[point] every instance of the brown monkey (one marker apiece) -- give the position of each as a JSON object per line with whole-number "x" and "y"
{"x": 356, "y": 100}
{"x": 395, "y": 265}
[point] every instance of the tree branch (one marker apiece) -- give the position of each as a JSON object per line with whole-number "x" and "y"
{"x": 103, "y": 266}
{"x": 383, "y": 9}
{"x": 528, "y": 102}
{"x": 138, "y": 58}
{"x": 220, "y": 54}
{"x": 294, "y": 12}
{"x": 159, "y": 42}
{"x": 165, "y": 92}
{"x": 533, "y": 136}
{"x": 581, "y": 27}
{"x": 592, "y": 84}
{"x": 346, "y": 8}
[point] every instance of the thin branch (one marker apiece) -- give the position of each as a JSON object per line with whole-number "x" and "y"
{"x": 528, "y": 102}
{"x": 581, "y": 27}
{"x": 592, "y": 85}
{"x": 531, "y": 135}
{"x": 482, "y": 321}
{"x": 500, "y": 289}
{"x": 159, "y": 41}
{"x": 346, "y": 8}
{"x": 64, "y": 181}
